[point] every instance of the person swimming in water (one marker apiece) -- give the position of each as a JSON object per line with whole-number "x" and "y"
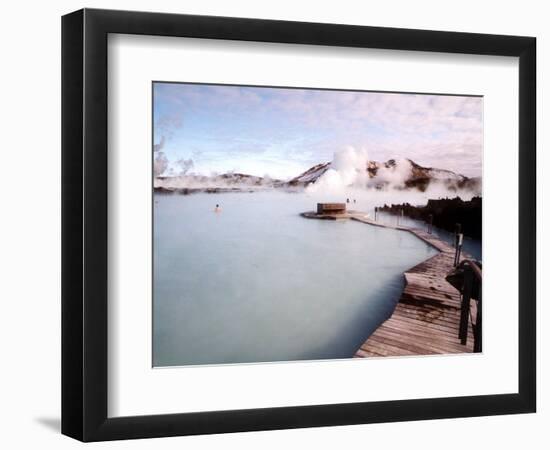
{"x": 217, "y": 208}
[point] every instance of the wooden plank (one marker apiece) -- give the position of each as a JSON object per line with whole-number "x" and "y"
{"x": 435, "y": 316}
{"x": 386, "y": 349}
{"x": 418, "y": 319}
{"x": 421, "y": 340}
{"x": 443, "y": 319}
{"x": 448, "y": 328}
{"x": 397, "y": 321}
{"x": 401, "y": 346}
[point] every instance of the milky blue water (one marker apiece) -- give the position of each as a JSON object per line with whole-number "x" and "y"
{"x": 256, "y": 282}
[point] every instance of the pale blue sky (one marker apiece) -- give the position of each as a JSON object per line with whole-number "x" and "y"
{"x": 283, "y": 132}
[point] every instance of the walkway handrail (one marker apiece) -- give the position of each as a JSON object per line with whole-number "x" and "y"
{"x": 475, "y": 267}
{"x": 471, "y": 288}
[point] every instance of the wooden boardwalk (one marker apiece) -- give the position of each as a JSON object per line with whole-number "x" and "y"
{"x": 427, "y": 316}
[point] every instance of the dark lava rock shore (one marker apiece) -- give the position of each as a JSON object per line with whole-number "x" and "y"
{"x": 446, "y": 214}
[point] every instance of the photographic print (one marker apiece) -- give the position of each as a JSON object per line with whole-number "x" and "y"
{"x": 294, "y": 224}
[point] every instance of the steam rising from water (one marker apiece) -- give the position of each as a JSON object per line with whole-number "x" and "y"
{"x": 185, "y": 165}
{"x": 348, "y": 178}
{"x": 348, "y": 169}
{"x": 395, "y": 176}
{"x": 158, "y": 147}
{"x": 160, "y": 164}
{"x": 350, "y": 175}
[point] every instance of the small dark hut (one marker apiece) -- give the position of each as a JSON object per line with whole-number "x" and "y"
{"x": 331, "y": 208}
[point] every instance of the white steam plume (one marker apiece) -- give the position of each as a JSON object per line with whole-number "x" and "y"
{"x": 185, "y": 165}
{"x": 394, "y": 176}
{"x": 347, "y": 169}
{"x": 158, "y": 147}
{"x": 160, "y": 164}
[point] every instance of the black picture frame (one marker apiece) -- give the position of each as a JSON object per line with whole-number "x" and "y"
{"x": 84, "y": 224}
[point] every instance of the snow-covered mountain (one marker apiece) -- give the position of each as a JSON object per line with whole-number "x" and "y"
{"x": 311, "y": 175}
{"x": 401, "y": 174}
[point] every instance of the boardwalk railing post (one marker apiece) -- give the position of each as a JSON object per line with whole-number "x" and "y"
{"x": 458, "y": 249}
{"x": 375, "y": 212}
{"x": 458, "y": 243}
{"x": 430, "y": 223}
{"x": 477, "y": 328}
{"x": 465, "y": 306}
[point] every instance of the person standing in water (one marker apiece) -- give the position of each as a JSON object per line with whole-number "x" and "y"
{"x": 217, "y": 208}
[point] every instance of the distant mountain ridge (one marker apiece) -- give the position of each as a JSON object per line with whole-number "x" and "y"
{"x": 227, "y": 182}
{"x": 418, "y": 177}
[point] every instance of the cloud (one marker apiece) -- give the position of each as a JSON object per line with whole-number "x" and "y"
{"x": 243, "y": 122}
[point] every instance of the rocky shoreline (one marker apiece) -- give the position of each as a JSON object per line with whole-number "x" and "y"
{"x": 210, "y": 190}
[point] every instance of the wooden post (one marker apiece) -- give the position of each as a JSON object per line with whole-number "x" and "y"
{"x": 477, "y": 329}
{"x": 375, "y": 212}
{"x": 458, "y": 243}
{"x": 430, "y": 223}
{"x": 458, "y": 249}
{"x": 465, "y": 306}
